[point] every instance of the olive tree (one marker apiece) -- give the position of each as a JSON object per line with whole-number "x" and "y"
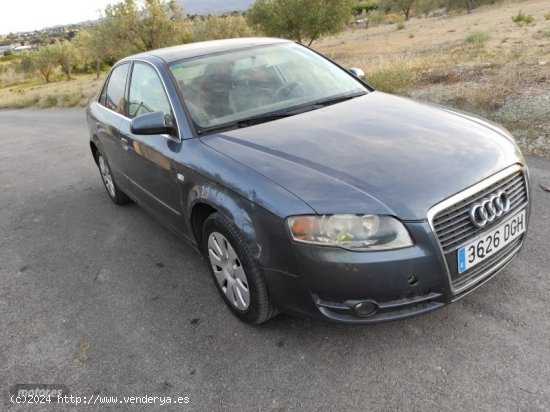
{"x": 300, "y": 20}
{"x": 64, "y": 54}
{"x": 426, "y": 6}
{"x": 404, "y": 6}
{"x": 220, "y": 27}
{"x": 145, "y": 25}
{"x": 44, "y": 61}
{"x": 95, "y": 46}
{"x": 25, "y": 65}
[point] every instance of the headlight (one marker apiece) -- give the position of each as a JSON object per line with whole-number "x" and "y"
{"x": 353, "y": 232}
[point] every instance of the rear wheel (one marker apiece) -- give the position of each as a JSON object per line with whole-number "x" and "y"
{"x": 117, "y": 196}
{"x": 236, "y": 274}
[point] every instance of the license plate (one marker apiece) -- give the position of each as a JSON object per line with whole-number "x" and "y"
{"x": 490, "y": 243}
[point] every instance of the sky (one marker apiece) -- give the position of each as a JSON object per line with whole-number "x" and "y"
{"x": 28, "y": 15}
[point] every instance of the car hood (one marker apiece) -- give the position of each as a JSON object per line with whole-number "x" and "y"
{"x": 374, "y": 154}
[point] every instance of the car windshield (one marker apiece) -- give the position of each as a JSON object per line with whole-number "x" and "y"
{"x": 242, "y": 87}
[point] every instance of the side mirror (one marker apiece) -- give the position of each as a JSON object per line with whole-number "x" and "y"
{"x": 360, "y": 74}
{"x": 150, "y": 123}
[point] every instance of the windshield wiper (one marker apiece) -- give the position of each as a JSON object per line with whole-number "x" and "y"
{"x": 250, "y": 121}
{"x": 263, "y": 118}
{"x": 337, "y": 99}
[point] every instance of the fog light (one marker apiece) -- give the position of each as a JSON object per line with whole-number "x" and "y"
{"x": 365, "y": 308}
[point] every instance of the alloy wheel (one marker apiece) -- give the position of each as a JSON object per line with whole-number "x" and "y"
{"x": 106, "y": 176}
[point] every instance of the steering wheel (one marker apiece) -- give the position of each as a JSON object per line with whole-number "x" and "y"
{"x": 286, "y": 88}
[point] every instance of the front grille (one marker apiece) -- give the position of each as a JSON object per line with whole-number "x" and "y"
{"x": 453, "y": 228}
{"x": 452, "y": 225}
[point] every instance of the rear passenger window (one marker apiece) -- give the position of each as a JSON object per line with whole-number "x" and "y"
{"x": 115, "y": 99}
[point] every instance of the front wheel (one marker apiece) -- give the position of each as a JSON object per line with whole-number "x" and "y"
{"x": 236, "y": 273}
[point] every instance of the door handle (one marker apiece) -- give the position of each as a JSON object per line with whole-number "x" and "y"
{"x": 124, "y": 143}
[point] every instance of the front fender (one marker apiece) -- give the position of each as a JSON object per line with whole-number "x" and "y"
{"x": 232, "y": 206}
{"x": 256, "y": 205}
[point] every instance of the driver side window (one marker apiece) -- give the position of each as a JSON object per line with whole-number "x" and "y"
{"x": 147, "y": 93}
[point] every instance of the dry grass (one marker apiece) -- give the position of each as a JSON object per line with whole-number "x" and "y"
{"x": 488, "y": 96}
{"x": 35, "y": 93}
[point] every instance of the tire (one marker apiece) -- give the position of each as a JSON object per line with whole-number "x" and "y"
{"x": 115, "y": 194}
{"x": 236, "y": 273}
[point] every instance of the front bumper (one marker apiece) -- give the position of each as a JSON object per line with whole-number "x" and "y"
{"x": 332, "y": 281}
{"x": 397, "y": 284}
{"x": 342, "y": 286}
{"x": 369, "y": 287}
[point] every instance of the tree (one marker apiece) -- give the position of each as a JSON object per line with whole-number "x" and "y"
{"x": 94, "y": 45}
{"x": 300, "y": 20}
{"x": 44, "y": 61}
{"x": 26, "y": 64}
{"x": 146, "y": 25}
{"x": 364, "y": 7}
{"x": 220, "y": 27}
{"x": 426, "y": 6}
{"x": 404, "y": 6}
{"x": 64, "y": 54}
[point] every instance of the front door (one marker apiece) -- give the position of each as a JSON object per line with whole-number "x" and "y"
{"x": 149, "y": 158}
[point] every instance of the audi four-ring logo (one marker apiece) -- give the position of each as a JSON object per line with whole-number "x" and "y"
{"x": 489, "y": 208}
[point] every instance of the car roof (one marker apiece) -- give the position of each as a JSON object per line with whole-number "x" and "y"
{"x": 186, "y": 51}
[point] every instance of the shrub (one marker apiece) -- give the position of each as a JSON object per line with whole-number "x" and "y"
{"x": 547, "y": 16}
{"x": 395, "y": 76}
{"x": 376, "y": 17}
{"x": 49, "y": 101}
{"x": 520, "y": 19}
{"x": 400, "y": 25}
{"x": 394, "y": 18}
{"x": 365, "y": 6}
{"x": 478, "y": 38}
{"x": 70, "y": 99}
{"x": 23, "y": 102}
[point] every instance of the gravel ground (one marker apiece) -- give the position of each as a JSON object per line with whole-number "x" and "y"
{"x": 526, "y": 116}
{"x": 529, "y": 116}
{"x": 106, "y": 301}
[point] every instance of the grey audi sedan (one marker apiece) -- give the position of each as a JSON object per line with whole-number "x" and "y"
{"x": 307, "y": 191}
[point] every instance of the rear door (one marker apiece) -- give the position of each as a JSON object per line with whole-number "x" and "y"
{"x": 149, "y": 158}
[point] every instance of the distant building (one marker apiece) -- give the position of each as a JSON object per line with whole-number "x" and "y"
{"x": 21, "y": 48}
